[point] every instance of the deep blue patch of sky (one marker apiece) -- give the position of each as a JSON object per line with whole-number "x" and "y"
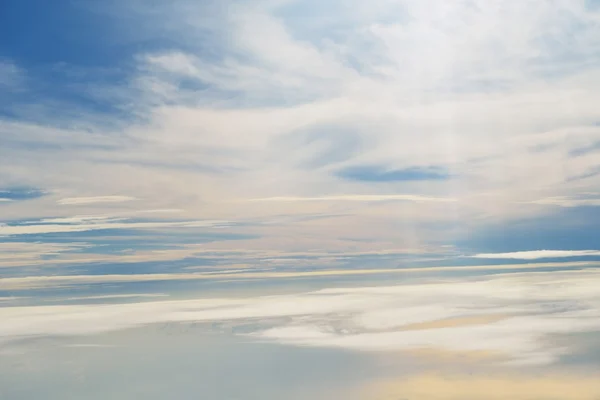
{"x": 87, "y": 70}
{"x": 20, "y": 193}
{"x": 564, "y": 229}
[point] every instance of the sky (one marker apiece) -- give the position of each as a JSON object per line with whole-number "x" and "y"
{"x": 394, "y": 190}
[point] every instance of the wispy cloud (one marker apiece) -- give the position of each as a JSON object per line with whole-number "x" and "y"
{"x": 565, "y": 201}
{"x": 21, "y": 254}
{"x": 83, "y": 224}
{"x": 41, "y": 281}
{"x": 358, "y": 198}
{"x": 93, "y": 200}
{"x": 536, "y": 254}
{"x": 18, "y": 254}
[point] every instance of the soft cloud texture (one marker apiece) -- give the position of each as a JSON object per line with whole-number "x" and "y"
{"x": 82, "y": 224}
{"x": 248, "y": 272}
{"x": 295, "y": 97}
{"x": 507, "y": 317}
{"x": 92, "y": 200}
{"x": 152, "y": 146}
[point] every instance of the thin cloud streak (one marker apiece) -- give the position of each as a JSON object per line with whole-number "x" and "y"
{"x": 358, "y": 198}
{"x": 41, "y": 281}
{"x": 95, "y": 200}
{"x": 537, "y": 254}
{"x": 13, "y": 230}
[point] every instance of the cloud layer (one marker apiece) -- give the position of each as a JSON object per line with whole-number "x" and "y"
{"x": 506, "y": 317}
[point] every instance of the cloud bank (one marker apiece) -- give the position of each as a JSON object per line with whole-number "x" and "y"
{"x": 506, "y": 317}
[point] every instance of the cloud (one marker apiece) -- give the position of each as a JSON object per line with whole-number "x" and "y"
{"x": 358, "y": 198}
{"x": 508, "y": 316}
{"x": 161, "y": 211}
{"x": 93, "y": 200}
{"x": 18, "y": 254}
{"x": 78, "y": 219}
{"x": 41, "y": 281}
{"x": 83, "y": 224}
{"x": 568, "y": 201}
{"x": 537, "y": 254}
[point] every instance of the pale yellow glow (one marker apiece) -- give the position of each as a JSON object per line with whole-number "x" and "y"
{"x": 483, "y": 387}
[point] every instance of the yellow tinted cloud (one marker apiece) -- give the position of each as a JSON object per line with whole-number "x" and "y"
{"x": 493, "y": 387}
{"x": 454, "y": 322}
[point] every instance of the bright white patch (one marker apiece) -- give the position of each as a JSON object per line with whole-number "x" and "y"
{"x": 79, "y": 219}
{"x": 525, "y": 308}
{"x": 97, "y": 199}
{"x": 567, "y": 202}
{"x": 535, "y": 254}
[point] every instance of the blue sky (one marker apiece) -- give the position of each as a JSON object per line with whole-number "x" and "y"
{"x": 186, "y": 148}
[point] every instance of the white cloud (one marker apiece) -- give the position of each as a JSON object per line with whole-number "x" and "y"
{"x": 93, "y": 200}
{"x": 536, "y": 254}
{"x": 521, "y": 311}
{"x": 87, "y": 225}
{"x": 567, "y": 202}
{"x": 78, "y": 219}
{"x": 161, "y": 211}
{"x": 357, "y": 197}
